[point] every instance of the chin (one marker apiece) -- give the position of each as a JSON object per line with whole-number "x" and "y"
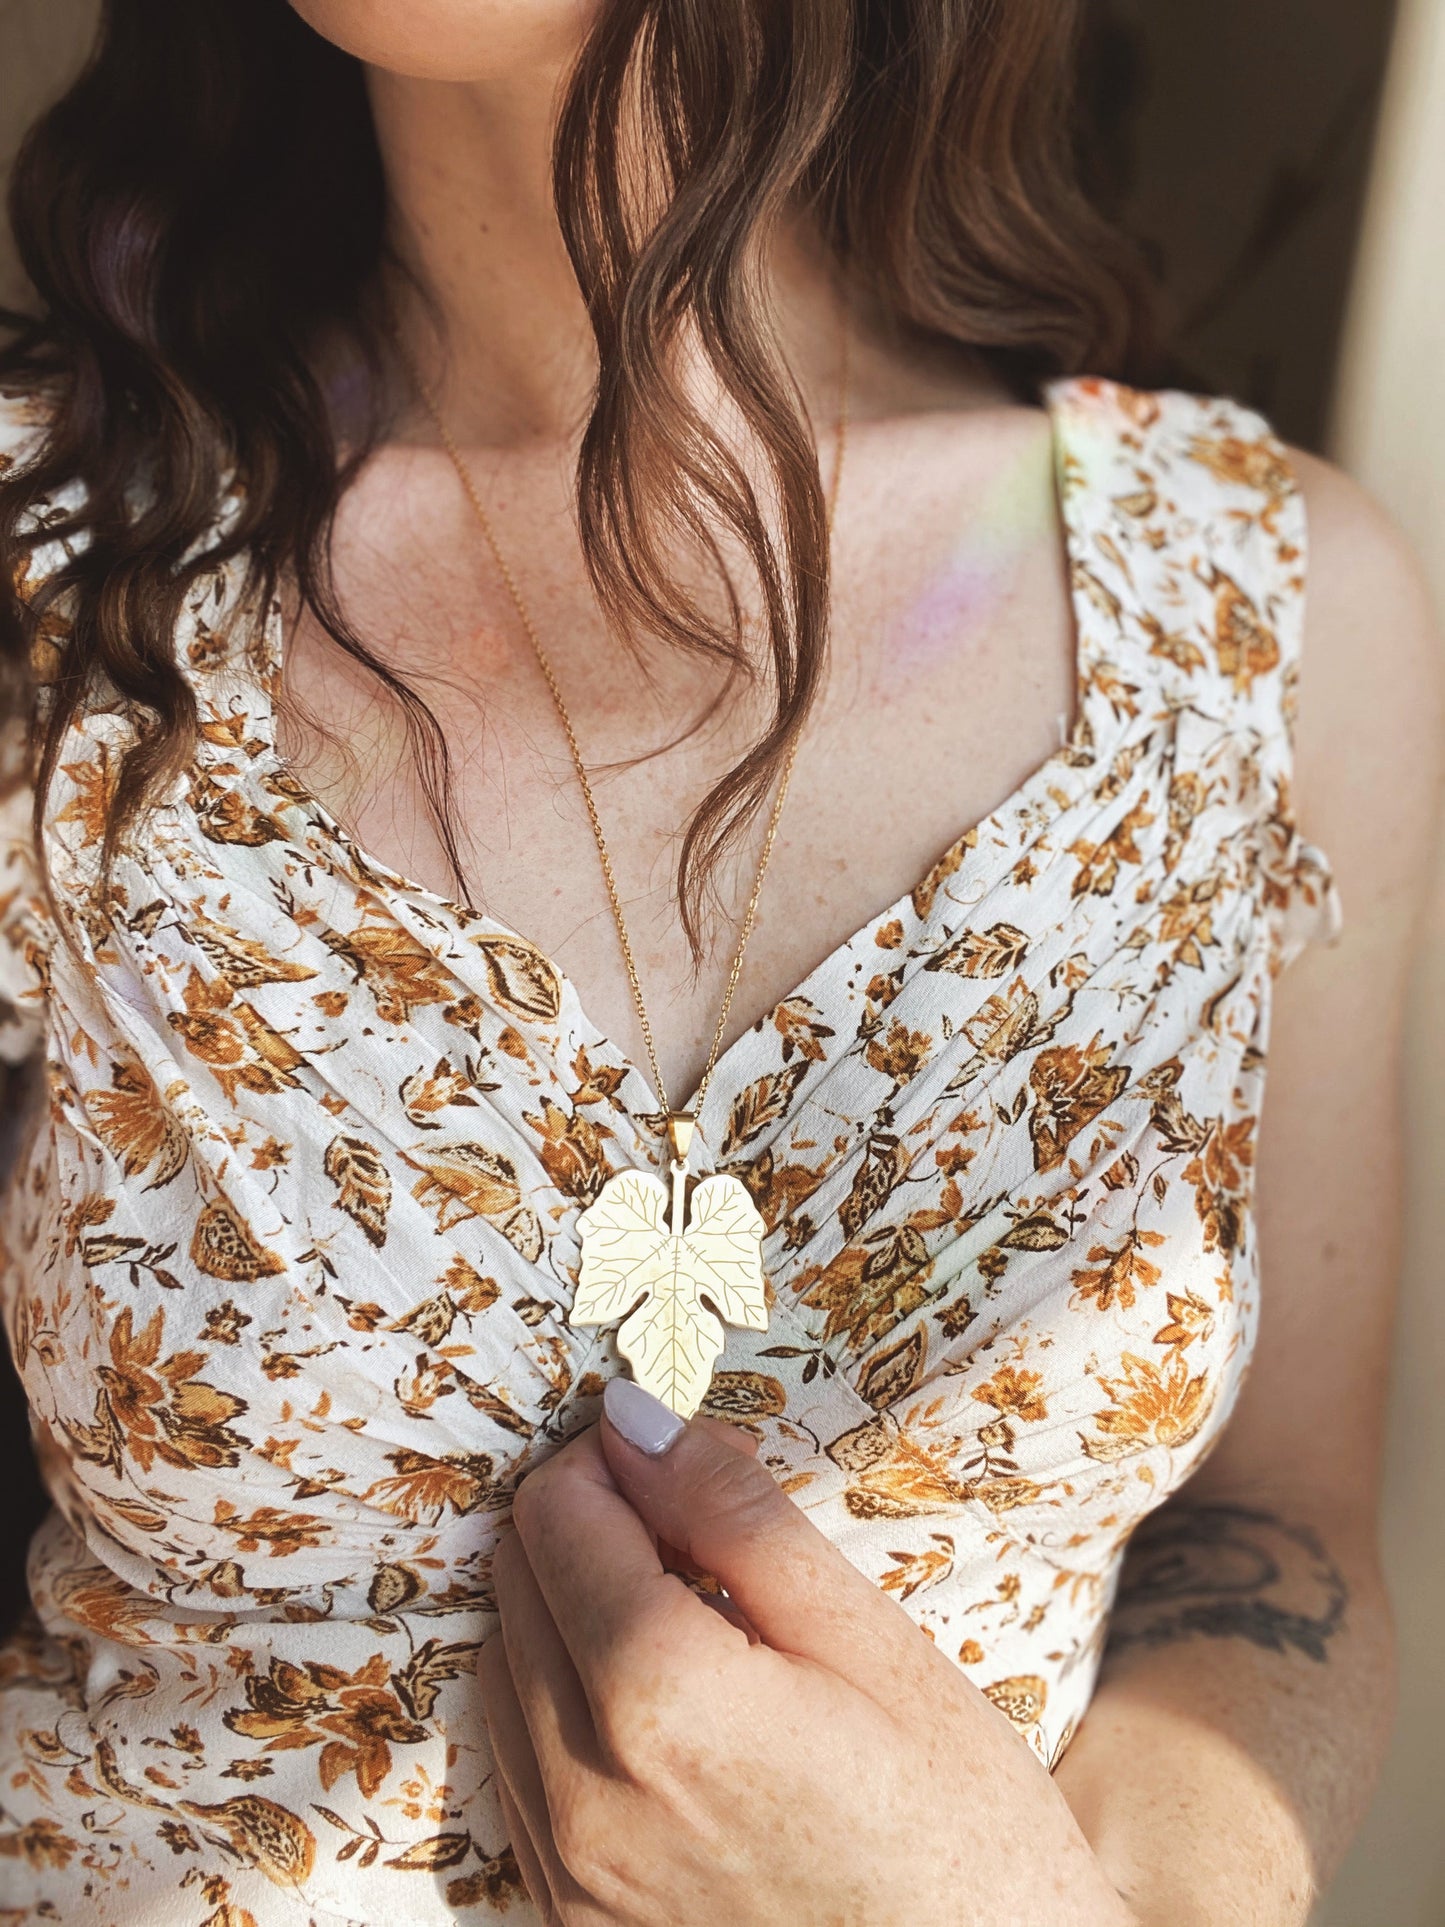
{"x": 456, "y": 40}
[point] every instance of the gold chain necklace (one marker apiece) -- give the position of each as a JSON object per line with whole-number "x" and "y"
{"x": 648, "y": 1250}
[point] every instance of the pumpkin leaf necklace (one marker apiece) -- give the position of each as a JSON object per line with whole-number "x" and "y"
{"x": 672, "y": 1266}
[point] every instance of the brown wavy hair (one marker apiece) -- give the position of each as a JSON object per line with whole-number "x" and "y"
{"x": 203, "y": 218}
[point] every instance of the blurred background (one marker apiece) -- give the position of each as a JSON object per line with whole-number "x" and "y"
{"x": 1283, "y": 163}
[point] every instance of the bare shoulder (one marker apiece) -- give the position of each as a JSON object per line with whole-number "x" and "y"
{"x": 1370, "y": 742}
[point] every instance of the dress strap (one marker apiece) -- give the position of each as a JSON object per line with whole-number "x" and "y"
{"x": 1187, "y": 518}
{"x": 1189, "y": 525}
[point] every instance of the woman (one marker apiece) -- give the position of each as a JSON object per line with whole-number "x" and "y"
{"x": 299, "y": 1283}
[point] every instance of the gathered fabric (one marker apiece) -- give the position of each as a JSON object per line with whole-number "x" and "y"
{"x": 291, "y": 1242}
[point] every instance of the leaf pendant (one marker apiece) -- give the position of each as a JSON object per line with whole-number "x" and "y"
{"x": 675, "y": 1274}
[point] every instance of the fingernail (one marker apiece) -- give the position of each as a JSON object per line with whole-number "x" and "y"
{"x": 644, "y": 1421}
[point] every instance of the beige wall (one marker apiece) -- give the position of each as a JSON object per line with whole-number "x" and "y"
{"x": 41, "y": 42}
{"x": 1390, "y": 432}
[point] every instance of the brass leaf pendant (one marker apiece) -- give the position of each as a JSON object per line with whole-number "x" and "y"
{"x": 668, "y": 1270}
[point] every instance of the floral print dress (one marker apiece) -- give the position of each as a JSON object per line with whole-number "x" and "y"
{"x": 291, "y": 1243}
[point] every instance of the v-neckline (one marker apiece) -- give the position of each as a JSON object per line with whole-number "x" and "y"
{"x": 1078, "y": 753}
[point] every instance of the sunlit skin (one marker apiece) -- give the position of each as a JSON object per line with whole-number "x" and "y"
{"x": 969, "y": 588}
{"x": 1211, "y": 1782}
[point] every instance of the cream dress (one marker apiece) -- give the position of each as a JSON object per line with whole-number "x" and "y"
{"x": 290, "y": 1251}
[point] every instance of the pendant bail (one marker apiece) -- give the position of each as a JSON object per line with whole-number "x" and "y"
{"x": 680, "y": 1127}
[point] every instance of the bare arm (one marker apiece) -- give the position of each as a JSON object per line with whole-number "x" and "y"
{"x": 1247, "y": 1692}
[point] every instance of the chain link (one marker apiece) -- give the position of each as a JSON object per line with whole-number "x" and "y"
{"x": 609, "y": 877}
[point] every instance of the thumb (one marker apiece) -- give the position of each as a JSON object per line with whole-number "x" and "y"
{"x": 722, "y": 1509}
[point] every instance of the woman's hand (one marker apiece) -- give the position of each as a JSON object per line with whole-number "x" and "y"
{"x": 812, "y": 1759}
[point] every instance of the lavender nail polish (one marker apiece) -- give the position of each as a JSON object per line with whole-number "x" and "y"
{"x": 644, "y": 1421}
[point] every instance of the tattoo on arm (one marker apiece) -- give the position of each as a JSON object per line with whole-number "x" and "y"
{"x": 1228, "y": 1572}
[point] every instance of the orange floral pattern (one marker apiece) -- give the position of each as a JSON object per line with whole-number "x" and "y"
{"x": 293, "y": 1241}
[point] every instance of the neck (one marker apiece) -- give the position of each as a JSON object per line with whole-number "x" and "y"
{"x": 468, "y": 168}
